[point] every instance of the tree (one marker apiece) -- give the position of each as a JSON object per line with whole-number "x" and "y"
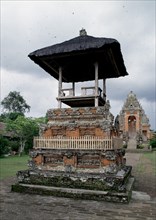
{"x": 12, "y": 116}
{"x": 24, "y": 129}
{"x": 15, "y": 103}
{"x": 4, "y": 145}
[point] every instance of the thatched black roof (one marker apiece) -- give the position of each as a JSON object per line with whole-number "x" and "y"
{"x": 77, "y": 57}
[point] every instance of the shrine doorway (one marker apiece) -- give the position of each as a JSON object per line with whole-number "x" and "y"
{"x": 144, "y": 132}
{"x": 132, "y": 127}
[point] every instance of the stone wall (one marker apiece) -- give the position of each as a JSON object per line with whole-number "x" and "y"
{"x": 52, "y": 159}
{"x": 76, "y": 122}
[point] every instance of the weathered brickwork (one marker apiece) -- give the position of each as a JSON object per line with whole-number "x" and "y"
{"x": 72, "y": 133}
{"x": 38, "y": 159}
{"x": 46, "y": 159}
{"x": 76, "y": 122}
{"x": 88, "y": 168}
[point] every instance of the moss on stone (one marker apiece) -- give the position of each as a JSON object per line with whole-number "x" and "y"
{"x": 110, "y": 197}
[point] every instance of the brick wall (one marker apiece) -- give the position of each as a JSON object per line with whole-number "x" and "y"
{"x": 78, "y": 158}
{"x": 75, "y": 132}
{"x": 75, "y": 122}
{"x": 72, "y": 133}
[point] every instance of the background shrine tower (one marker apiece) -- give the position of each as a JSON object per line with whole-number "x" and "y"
{"x": 133, "y": 122}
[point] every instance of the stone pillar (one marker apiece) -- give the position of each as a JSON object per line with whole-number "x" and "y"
{"x": 60, "y": 86}
{"x": 96, "y": 84}
{"x": 126, "y": 122}
{"x": 138, "y": 124}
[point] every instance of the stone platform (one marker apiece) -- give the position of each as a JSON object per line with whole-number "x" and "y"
{"x": 77, "y": 173}
{"x": 101, "y": 185}
{"x": 98, "y": 195}
{"x": 141, "y": 206}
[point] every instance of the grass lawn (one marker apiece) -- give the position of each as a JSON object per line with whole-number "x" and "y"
{"x": 143, "y": 166}
{"x": 11, "y": 164}
{"x": 151, "y": 156}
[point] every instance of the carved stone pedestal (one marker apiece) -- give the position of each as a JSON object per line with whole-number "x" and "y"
{"x": 81, "y": 174}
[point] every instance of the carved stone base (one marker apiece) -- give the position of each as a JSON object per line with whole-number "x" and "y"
{"x": 99, "y": 195}
{"x": 91, "y": 185}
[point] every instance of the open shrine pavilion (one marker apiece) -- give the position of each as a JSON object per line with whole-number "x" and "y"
{"x": 80, "y": 59}
{"x": 77, "y": 154}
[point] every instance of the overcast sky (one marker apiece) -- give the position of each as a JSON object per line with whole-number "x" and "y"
{"x": 30, "y": 25}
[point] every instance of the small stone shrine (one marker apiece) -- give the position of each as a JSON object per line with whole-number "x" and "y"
{"x": 78, "y": 153}
{"x": 134, "y": 124}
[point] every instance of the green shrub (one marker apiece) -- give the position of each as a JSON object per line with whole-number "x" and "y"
{"x": 14, "y": 145}
{"x": 125, "y": 146}
{"x": 28, "y": 146}
{"x": 4, "y": 146}
{"x": 153, "y": 143}
{"x": 140, "y": 146}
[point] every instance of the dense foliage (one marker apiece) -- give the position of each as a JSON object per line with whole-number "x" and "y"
{"x": 24, "y": 129}
{"x": 12, "y": 116}
{"x": 153, "y": 141}
{"x": 4, "y": 145}
{"x": 19, "y": 130}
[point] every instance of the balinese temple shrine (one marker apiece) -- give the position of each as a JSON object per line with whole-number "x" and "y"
{"x": 134, "y": 126}
{"x": 78, "y": 153}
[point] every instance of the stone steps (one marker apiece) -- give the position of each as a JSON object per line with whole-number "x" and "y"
{"x": 109, "y": 196}
{"x": 132, "y": 144}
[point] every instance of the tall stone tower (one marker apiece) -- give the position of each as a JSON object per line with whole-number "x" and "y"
{"x": 133, "y": 122}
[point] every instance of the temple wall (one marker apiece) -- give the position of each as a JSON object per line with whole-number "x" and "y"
{"x": 77, "y": 132}
{"x": 78, "y": 122}
{"x": 50, "y": 159}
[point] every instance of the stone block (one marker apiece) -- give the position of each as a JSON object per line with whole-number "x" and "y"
{"x": 106, "y": 162}
{"x": 38, "y": 159}
{"x": 70, "y": 161}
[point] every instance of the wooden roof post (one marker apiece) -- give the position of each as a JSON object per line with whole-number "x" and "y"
{"x": 60, "y": 86}
{"x": 73, "y": 83}
{"x": 104, "y": 89}
{"x": 96, "y": 84}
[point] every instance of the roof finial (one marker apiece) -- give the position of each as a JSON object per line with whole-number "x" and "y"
{"x": 83, "y": 32}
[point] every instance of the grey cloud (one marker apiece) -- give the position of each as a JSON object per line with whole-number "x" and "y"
{"x": 29, "y": 25}
{"x": 144, "y": 88}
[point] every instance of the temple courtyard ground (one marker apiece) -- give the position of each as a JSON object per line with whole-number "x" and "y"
{"x": 16, "y": 206}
